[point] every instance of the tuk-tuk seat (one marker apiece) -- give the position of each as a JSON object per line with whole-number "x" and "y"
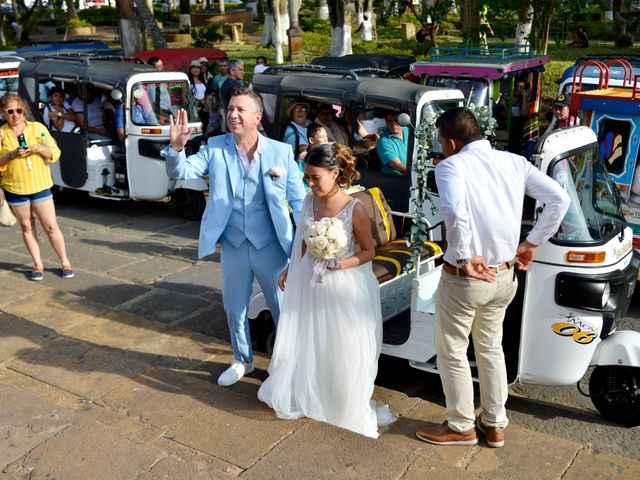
{"x": 391, "y": 254}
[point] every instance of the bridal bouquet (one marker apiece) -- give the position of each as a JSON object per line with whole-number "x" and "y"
{"x": 326, "y": 242}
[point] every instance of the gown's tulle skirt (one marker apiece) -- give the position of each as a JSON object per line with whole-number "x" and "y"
{"x": 328, "y": 341}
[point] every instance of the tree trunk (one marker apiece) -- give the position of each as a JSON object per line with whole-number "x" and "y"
{"x": 523, "y": 27}
{"x": 72, "y": 14}
{"x": 185, "y": 17}
{"x": 276, "y": 24}
{"x": 323, "y": 10}
{"x": 132, "y": 38}
{"x": 608, "y": 10}
{"x": 221, "y": 5}
{"x": 471, "y": 20}
{"x": 340, "y": 16}
{"x": 149, "y": 21}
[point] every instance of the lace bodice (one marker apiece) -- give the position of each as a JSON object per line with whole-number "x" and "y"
{"x": 345, "y": 216}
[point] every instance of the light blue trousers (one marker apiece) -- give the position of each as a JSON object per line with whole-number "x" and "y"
{"x": 239, "y": 266}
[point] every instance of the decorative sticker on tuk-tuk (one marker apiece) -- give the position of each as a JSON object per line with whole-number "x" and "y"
{"x": 579, "y": 331}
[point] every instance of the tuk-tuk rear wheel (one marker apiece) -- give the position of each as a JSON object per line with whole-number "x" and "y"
{"x": 189, "y": 204}
{"x": 615, "y": 392}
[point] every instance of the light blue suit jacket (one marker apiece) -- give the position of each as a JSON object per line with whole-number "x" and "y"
{"x": 218, "y": 160}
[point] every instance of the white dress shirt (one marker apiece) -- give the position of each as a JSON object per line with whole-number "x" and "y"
{"x": 481, "y": 196}
{"x": 244, "y": 158}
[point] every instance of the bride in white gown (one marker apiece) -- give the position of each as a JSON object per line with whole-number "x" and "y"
{"x": 329, "y": 334}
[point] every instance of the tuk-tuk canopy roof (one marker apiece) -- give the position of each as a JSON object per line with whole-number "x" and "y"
{"x": 93, "y": 68}
{"x": 616, "y": 72}
{"x": 494, "y": 62}
{"x": 342, "y": 86}
{"x": 398, "y": 64}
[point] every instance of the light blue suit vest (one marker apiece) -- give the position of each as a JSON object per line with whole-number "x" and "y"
{"x": 249, "y": 211}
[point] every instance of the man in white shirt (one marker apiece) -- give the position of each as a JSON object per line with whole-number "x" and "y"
{"x": 481, "y": 193}
{"x": 94, "y": 123}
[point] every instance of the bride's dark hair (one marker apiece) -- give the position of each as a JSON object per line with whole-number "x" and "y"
{"x": 332, "y": 156}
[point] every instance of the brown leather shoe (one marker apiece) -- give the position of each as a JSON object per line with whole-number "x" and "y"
{"x": 494, "y": 435}
{"x": 443, "y": 435}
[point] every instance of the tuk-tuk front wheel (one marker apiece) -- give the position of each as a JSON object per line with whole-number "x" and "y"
{"x": 615, "y": 392}
{"x": 189, "y": 204}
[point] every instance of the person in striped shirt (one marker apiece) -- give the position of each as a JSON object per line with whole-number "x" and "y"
{"x": 26, "y": 150}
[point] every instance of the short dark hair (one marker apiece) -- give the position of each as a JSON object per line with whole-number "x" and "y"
{"x": 261, "y": 57}
{"x": 459, "y": 124}
{"x": 313, "y": 129}
{"x": 248, "y": 92}
{"x": 153, "y": 60}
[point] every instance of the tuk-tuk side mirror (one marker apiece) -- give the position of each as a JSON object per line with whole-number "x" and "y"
{"x": 404, "y": 120}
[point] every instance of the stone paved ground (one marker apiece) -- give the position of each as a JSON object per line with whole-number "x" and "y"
{"x": 111, "y": 375}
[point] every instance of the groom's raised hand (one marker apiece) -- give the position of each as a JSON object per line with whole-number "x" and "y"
{"x": 179, "y": 131}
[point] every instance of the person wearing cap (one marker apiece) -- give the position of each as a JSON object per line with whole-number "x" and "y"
{"x": 562, "y": 116}
{"x": 204, "y": 65}
{"x": 113, "y": 109}
{"x": 296, "y": 132}
{"x": 393, "y": 145}
{"x": 56, "y": 116}
{"x": 199, "y": 91}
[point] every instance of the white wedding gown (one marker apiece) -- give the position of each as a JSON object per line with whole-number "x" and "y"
{"x": 328, "y": 341}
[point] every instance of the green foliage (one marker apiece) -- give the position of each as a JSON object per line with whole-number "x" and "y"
{"x": 99, "y": 16}
{"x": 314, "y": 24}
{"x": 78, "y": 23}
{"x": 207, "y": 37}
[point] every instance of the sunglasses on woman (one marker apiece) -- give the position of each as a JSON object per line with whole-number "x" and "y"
{"x": 19, "y": 111}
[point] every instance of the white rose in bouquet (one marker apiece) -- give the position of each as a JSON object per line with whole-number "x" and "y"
{"x": 325, "y": 238}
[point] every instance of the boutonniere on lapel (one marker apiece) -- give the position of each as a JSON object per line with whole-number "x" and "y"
{"x": 277, "y": 172}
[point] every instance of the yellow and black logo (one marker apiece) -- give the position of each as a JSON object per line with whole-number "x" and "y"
{"x": 577, "y": 334}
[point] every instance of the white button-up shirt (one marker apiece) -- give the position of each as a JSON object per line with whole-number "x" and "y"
{"x": 244, "y": 159}
{"x": 481, "y": 194}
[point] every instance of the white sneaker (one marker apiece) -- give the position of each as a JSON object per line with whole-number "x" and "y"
{"x": 235, "y": 372}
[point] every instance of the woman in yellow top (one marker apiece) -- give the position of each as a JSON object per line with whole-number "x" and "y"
{"x": 25, "y": 153}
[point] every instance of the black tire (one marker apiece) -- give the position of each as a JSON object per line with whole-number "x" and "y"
{"x": 189, "y": 204}
{"x": 615, "y": 392}
{"x": 263, "y": 331}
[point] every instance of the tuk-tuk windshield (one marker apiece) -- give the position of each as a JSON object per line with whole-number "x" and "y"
{"x": 430, "y": 112}
{"x": 8, "y": 84}
{"x": 595, "y": 212}
{"x": 152, "y": 102}
{"x": 475, "y": 90}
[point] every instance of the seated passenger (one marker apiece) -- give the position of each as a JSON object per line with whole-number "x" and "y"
{"x": 140, "y": 111}
{"x": 336, "y": 131}
{"x": 113, "y": 109}
{"x": 362, "y": 139}
{"x": 57, "y": 117}
{"x": 94, "y": 124}
{"x": 316, "y": 134}
{"x": 393, "y": 145}
{"x": 296, "y": 133}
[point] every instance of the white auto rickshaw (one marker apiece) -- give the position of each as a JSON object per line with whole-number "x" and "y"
{"x": 110, "y": 167}
{"x": 564, "y": 318}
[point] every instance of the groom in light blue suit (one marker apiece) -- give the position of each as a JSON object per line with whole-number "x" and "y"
{"x": 251, "y": 177}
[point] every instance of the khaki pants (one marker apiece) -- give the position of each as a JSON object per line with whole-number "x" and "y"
{"x": 468, "y": 306}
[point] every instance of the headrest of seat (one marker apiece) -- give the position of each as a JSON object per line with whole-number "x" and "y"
{"x": 382, "y": 227}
